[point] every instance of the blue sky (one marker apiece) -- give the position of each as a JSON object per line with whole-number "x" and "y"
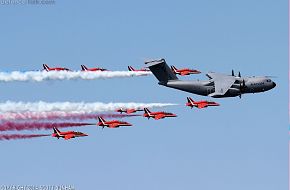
{"x": 240, "y": 145}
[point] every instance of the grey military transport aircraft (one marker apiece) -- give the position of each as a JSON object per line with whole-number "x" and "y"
{"x": 218, "y": 85}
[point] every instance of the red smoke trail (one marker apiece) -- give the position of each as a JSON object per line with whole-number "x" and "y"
{"x": 10, "y": 126}
{"x": 19, "y": 136}
{"x": 95, "y": 116}
{"x": 59, "y": 116}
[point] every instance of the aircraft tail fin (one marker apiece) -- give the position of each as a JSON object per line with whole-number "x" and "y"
{"x": 161, "y": 70}
{"x": 101, "y": 120}
{"x": 55, "y": 130}
{"x": 190, "y": 100}
{"x": 146, "y": 110}
{"x": 84, "y": 68}
{"x": 45, "y": 67}
{"x": 130, "y": 68}
{"x": 174, "y": 69}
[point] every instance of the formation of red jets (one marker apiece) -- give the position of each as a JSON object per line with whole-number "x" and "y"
{"x": 147, "y": 113}
{"x": 182, "y": 72}
{"x": 84, "y": 68}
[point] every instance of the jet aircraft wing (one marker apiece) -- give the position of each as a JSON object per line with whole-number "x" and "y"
{"x": 159, "y": 116}
{"x": 184, "y": 73}
{"x": 222, "y": 83}
{"x": 200, "y": 106}
{"x": 114, "y": 125}
{"x": 130, "y": 111}
{"x": 67, "y": 137}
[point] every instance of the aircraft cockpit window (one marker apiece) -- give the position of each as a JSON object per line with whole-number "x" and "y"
{"x": 268, "y": 80}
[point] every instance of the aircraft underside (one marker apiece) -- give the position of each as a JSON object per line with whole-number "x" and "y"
{"x": 199, "y": 88}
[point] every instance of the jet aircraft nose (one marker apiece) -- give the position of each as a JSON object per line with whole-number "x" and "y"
{"x": 274, "y": 84}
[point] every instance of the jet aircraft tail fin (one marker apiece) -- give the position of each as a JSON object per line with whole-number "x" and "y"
{"x": 84, "y": 68}
{"x": 173, "y": 68}
{"x": 146, "y": 110}
{"x": 101, "y": 120}
{"x": 45, "y": 67}
{"x": 189, "y": 100}
{"x": 161, "y": 70}
{"x": 56, "y": 131}
{"x": 130, "y": 68}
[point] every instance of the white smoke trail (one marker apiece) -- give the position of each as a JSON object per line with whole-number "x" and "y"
{"x": 39, "y": 76}
{"x": 73, "y": 107}
{"x": 60, "y": 116}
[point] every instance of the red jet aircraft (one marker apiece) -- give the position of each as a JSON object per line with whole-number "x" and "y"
{"x": 200, "y": 104}
{"x": 112, "y": 124}
{"x": 130, "y": 68}
{"x": 67, "y": 134}
{"x": 128, "y": 111}
{"x": 47, "y": 68}
{"x": 184, "y": 71}
{"x": 84, "y": 68}
{"x": 157, "y": 115}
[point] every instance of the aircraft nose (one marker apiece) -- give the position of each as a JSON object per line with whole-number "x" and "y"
{"x": 274, "y": 84}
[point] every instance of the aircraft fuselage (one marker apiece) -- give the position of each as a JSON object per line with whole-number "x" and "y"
{"x": 206, "y": 87}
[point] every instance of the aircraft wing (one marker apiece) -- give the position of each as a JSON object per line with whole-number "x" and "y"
{"x": 115, "y": 125}
{"x": 159, "y": 116}
{"x": 222, "y": 83}
{"x": 200, "y": 106}
{"x": 130, "y": 111}
{"x": 67, "y": 137}
{"x": 184, "y": 73}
